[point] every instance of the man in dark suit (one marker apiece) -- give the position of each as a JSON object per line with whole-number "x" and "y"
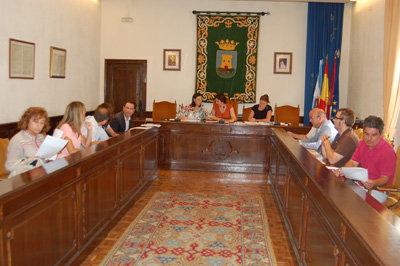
{"x": 120, "y": 122}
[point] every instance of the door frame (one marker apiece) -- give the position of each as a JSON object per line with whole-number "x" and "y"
{"x": 107, "y": 89}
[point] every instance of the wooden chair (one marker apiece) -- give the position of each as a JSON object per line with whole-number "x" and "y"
{"x": 163, "y": 110}
{"x": 3, "y": 157}
{"x": 234, "y": 105}
{"x": 245, "y": 114}
{"x": 287, "y": 114}
{"x": 393, "y": 200}
{"x": 359, "y": 133}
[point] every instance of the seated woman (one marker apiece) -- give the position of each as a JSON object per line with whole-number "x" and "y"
{"x": 71, "y": 125}
{"x": 195, "y": 110}
{"x": 34, "y": 123}
{"x": 261, "y": 112}
{"x": 222, "y": 110}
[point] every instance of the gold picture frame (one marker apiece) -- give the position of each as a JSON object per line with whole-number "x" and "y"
{"x": 283, "y": 63}
{"x": 172, "y": 59}
{"x": 58, "y": 58}
{"x": 21, "y": 59}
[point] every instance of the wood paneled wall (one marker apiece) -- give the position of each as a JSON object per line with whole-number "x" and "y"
{"x": 49, "y": 217}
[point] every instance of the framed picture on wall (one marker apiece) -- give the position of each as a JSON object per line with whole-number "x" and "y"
{"x": 58, "y": 58}
{"x": 283, "y": 63}
{"x": 172, "y": 59}
{"x": 21, "y": 59}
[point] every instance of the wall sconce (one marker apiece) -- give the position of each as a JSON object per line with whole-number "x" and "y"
{"x": 126, "y": 19}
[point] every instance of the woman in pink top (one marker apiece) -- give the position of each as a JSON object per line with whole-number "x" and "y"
{"x": 71, "y": 124}
{"x": 222, "y": 110}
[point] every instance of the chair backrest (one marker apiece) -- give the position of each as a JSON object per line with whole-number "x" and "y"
{"x": 396, "y": 179}
{"x": 163, "y": 110}
{"x": 246, "y": 113}
{"x": 3, "y": 157}
{"x": 234, "y": 105}
{"x": 359, "y": 133}
{"x": 287, "y": 114}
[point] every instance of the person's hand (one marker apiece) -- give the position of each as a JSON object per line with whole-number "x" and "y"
{"x": 88, "y": 125}
{"x": 325, "y": 137}
{"x": 369, "y": 184}
{"x": 252, "y": 119}
{"x": 338, "y": 172}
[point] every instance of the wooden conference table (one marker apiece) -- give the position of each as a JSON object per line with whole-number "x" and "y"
{"x": 51, "y": 214}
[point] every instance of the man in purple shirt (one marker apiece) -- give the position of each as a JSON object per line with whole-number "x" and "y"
{"x": 375, "y": 154}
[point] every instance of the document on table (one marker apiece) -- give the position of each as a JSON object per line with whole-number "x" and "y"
{"x": 53, "y": 166}
{"x": 50, "y": 147}
{"x": 356, "y": 173}
{"x": 148, "y": 125}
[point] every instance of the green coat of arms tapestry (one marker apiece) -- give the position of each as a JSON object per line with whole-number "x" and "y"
{"x": 227, "y": 56}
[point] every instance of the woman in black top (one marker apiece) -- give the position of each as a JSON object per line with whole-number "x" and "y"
{"x": 261, "y": 112}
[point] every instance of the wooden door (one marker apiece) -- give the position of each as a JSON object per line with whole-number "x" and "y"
{"x": 125, "y": 80}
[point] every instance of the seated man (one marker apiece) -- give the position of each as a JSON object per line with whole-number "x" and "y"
{"x": 120, "y": 122}
{"x": 99, "y": 123}
{"x": 375, "y": 154}
{"x": 343, "y": 146}
{"x": 322, "y": 126}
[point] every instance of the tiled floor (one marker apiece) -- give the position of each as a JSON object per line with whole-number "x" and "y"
{"x": 202, "y": 182}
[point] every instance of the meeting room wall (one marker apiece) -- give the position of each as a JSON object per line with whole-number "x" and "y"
{"x": 159, "y": 25}
{"x": 69, "y": 24}
{"x": 366, "y": 58}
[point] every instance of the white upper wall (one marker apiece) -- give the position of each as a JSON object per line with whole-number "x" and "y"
{"x": 69, "y": 24}
{"x": 170, "y": 24}
{"x": 366, "y": 58}
{"x": 75, "y": 25}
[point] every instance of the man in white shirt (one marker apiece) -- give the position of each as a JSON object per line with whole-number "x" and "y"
{"x": 322, "y": 126}
{"x": 99, "y": 122}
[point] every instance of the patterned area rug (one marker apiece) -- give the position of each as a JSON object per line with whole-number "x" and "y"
{"x": 196, "y": 229}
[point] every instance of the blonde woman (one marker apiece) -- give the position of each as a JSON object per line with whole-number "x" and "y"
{"x": 71, "y": 125}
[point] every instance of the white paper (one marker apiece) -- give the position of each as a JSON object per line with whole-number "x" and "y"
{"x": 251, "y": 123}
{"x": 333, "y": 168}
{"x": 54, "y": 165}
{"x": 379, "y": 196}
{"x": 50, "y": 147}
{"x": 356, "y": 173}
{"x": 191, "y": 120}
{"x": 150, "y": 125}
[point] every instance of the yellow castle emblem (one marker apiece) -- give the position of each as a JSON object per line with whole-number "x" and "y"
{"x": 227, "y": 45}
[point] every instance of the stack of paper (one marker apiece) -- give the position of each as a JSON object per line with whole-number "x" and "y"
{"x": 50, "y": 147}
{"x": 356, "y": 173}
{"x": 150, "y": 125}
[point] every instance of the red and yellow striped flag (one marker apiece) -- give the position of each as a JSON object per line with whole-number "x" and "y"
{"x": 323, "y": 102}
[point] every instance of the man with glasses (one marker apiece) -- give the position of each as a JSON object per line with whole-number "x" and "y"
{"x": 322, "y": 126}
{"x": 375, "y": 154}
{"x": 345, "y": 143}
